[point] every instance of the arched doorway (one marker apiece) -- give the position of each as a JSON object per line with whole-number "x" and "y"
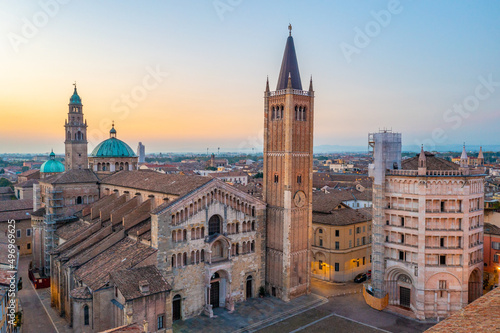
{"x": 214, "y": 225}
{"x": 249, "y": 290}
{"x": 404, "y": 286}
{"x": 215, "y": 290}
{"x": 176, "y": 307}
{"x": 475, "y": 287}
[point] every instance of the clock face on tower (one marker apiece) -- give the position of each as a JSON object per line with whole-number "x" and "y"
{"x": 299, "y": 198}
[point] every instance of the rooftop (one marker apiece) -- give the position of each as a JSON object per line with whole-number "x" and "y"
{"x": 482, "y": 315}
{"x": 432, "y": 163}
{"x": 128, "y": 281}
{"x": 156, "y": 182}
{"x": 72, "y": 176}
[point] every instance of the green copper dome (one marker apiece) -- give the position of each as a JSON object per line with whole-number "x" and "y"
{"x": 112, "y": 147}
{"x": 75, "y": 99}
{"x": 52, "y": 165}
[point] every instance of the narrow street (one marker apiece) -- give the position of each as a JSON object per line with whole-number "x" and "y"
{"x": 35, "y": 318}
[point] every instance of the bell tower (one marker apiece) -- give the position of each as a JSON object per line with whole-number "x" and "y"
{"x": 288, "y": 159}
{"x": 76, "y": 135}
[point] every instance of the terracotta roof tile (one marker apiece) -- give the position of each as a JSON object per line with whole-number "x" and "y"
{"x": 432, "y": 163}
{"x": 128, "y": 281}
{"x": 81, "y": 293}
{"x": 482, "y": 315}
{"x": 156, "y": 182}
{"x": 491, "y": 229}
{"x": 72, "y": 176}
{"x": 124, "y": 254}
{"x": 11, "y": 205}
{"x": 27, "y": 184}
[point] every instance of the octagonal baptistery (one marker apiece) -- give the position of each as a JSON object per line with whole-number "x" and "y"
{"x": 112, "y": 155}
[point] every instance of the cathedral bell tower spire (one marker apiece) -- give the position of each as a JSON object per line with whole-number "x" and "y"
{"x": 76, "y": 134}
{"x": 288, "y": 157}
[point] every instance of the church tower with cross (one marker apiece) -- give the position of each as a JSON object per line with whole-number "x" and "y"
{"x": 76, "y": 135}
{"x": 288, "y": 159}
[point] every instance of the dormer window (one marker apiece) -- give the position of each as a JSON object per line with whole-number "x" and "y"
{"x": 144, "y": 287}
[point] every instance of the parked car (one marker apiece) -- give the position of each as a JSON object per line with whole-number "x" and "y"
{"x": 360, "y": 278}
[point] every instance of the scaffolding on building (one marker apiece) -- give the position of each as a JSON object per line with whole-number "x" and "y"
{"x": 55, "y": 203}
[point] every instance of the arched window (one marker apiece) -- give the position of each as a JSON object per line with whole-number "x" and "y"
{"x": 296, "y": 112}
{"x": 276, "y": 178}
{"x": 202, "y": 255}
{"x": 281, "y": 112}
{"x": 86, "y": 315}
{"x": 184, "y": 259}
{"x": 173, "y": 261}
{"x": 214, "y": 225}
{"x": 79, "y": 200}
{"x": 304, "y": 114}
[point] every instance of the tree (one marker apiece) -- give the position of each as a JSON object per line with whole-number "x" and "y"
{"x": 4, "y": 182}
{"x": 258, "y": 175}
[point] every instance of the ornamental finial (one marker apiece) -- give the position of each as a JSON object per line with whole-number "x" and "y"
{"x": 290, "y": 29}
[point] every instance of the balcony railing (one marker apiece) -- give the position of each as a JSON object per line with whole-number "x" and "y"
{"x": 294, "y": 91}
{"x": 404, "y": 244}
{"x": 443, "y": 247}
{"x": 442, "y": 229}
{"x": 434, "y": 211}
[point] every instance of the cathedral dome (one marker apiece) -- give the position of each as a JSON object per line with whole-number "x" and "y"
{"x": 52, "y": 165}
{"x": 112, "y": 147}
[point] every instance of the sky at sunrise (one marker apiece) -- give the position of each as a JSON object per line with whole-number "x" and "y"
{"x": 190, "y": 75}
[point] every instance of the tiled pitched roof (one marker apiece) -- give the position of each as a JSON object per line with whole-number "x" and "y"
{"x": 326, "y": 202}
{"x": 17, "y": 215}
{"x": 27, "y": 184}
{"x": 69, "y": 230}
{"x": 39, "y": 212}
{"x": 11, "y": 205}
{"x": 432, "y": 163}
{"x": 156, "y": 182}
{"x": 128, "y": 281}
{"x": 72, "y": 176}
{"x": 343, "y": 216}
{"x": 491, "y": 229}
{"x": 81, "y": 293}
{"x": 6, "y": 189}
{"x": 482, "y": 315}
{"x": 124, "y": 254}
{"x": 29, "y": 173}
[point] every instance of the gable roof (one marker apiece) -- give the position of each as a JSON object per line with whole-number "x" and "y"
{"x": 72, "y": 176}
{"x": 124, "y": 254}
{"x": 128, "y": 281}
{"x": 156, "y": 182}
